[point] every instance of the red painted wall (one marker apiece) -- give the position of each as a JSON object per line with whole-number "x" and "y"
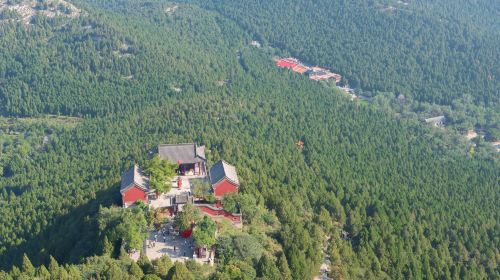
{"x": 220, "y": 213}
{"x": 224, "y": 187}
{"x": 133, "y": 194}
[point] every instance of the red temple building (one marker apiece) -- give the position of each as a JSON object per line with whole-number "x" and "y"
{"x": 135, "y": 187}
{"x": 191, "y": 166}
{"x": 190, "y": 158}
{"x": 223, "y": 179}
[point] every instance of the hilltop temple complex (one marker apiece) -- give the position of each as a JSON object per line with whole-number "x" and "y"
{"x": 191, "y": 167}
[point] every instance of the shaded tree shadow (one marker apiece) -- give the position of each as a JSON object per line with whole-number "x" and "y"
{"x": 69, "y": 238}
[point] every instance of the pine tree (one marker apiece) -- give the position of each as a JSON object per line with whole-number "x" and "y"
{"x": 53, "y": 268}
{"x": 145, "y": 264}
{"x": 27, "y": 267}
{"x": 162, "y": 266}
{"x": 42, "y": 272}
{"x": 123, "y": 255}
{"x": 267, "y": 269}
{"x": 151, "y": 277}
{"x": 5, "y": 276}
{"x": 114, "y": 272}
{"x": 15, "y": 272}
{"x": 135, "y": 271}
{"x": 73, "y": 272}
{"x": 107, "y": 247}
{"x": 286, "y": 274}
{"x": 56, "y": 272}
{"x": 180, "y": 272}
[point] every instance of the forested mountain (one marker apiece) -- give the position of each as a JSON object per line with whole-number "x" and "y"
{"x": 435, "y": 51}
{"x": 140, "y": 73}
{"x": 120, "y": 58}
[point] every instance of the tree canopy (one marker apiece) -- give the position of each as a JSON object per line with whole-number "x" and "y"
{"x": 189, "y": 216}
{"x": 84, "y": 98}
{"x": 160, "y": 174}
{"x": 204, "y": 232}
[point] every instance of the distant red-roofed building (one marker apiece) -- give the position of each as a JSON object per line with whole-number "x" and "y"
{"x": 300, "y": 69}
{"x": 288, "y": 63}
{"x": 317, "y": 74}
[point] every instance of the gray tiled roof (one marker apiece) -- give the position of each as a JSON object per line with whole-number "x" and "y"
{"x": 183, "y": 199}
{"x": 134, "y": 176}
{"x": 183, "y": 153}
{"x": 221, "y": 170}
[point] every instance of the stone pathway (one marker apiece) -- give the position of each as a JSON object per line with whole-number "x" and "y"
{"x": 165, "y": 245}
{"x": 158, "y": 245}
{"x": 325, "y": 266}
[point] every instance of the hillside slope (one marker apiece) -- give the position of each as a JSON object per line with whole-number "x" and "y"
{"x": 141, "y": 76}
{"x": 434, "y": 51}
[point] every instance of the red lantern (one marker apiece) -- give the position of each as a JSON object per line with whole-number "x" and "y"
{"x": 187, "y": 233}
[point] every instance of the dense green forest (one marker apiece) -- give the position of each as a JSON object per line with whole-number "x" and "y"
{"x": 432, "y": 50}
{"x": 442, "y": 57}
{"x": 136, "y": 75}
